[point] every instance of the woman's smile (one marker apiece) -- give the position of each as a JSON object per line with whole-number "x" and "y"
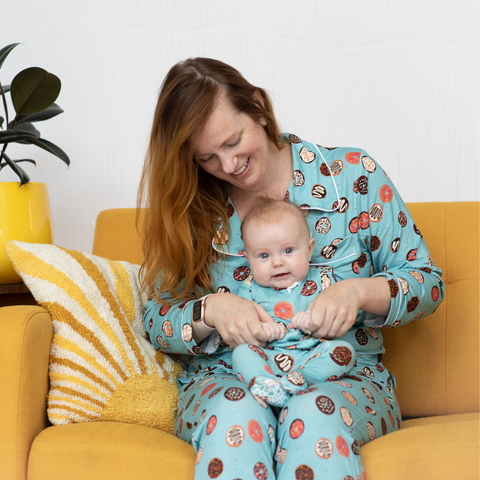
{"x": 243, "y": 169}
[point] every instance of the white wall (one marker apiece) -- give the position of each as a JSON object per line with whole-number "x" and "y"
{"x": 400, "y": 79}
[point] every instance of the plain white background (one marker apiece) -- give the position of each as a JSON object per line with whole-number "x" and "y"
{"x": 399, "y": 79}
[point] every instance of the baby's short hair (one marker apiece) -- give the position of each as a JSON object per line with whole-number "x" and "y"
{"x": 269, "y": 210}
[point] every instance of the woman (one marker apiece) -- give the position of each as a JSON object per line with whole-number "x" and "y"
{"x": 215, "y": 148}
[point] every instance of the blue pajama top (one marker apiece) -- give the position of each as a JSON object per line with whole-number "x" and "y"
{"x": 361, "y": 227}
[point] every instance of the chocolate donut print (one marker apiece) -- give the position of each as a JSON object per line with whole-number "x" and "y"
{"x": 259, "y": 351}
{"x": 283, "y": 416}
{"x": 223, "y": 289}
{"x": 325, "y": 404}
{"x": 341, "y": 206}
{"x": 221, "y": 237}
{"x": 241, "y": 274}
{"x": 234, "y": 393}
{"x": 284, "y": 362}
{"x": 402, "y": 219}
{"x": 164, "y": 310}
{"x": 413, "y": 304}
{"x": 360, "y": 185}
{"x": 319, "y": 191}
{"x": 324, "y": 170}
{"x": 336, "y": 167}
{"x": 368, "y": 394}
{"x": 349, "y": 397}
{"x": 296, "y": 378}
{"x": 309, "y": 288}
{"x": 162, "y": 342}
{"x": 374, "y": 243}
{"x": 323, "y": 225}
{"x": 215, "y": 468}
{"x": 375, "y": 213}
{"x": 354, "y": 225}
{"x": 328, "y": 251}
{"x": 346, "y": 416}
{"x": 293, "y": 138}
{"x": 260, "y": 471}
{"x": 395, "y": 245}
{"x": 361, "y": 337}
{"x": 298, "y": 178}
{"x": 341, "y": 355}
{"x": 370, "y": 431}
{"x": 304, "y": 472}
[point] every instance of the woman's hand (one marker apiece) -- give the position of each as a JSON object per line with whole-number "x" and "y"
{"x": 237, "y": 320}
{"x": 334, "y": 310}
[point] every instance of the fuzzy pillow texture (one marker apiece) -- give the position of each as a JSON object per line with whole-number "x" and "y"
{"x": 101, "y": 366}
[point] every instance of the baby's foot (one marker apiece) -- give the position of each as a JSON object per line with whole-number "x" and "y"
{"x": 294, "y": 382}
{"x": 270, "y": 390}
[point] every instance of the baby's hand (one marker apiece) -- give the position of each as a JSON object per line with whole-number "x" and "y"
{"x": 301, "y": 320}
{"x": 273, "y": 330}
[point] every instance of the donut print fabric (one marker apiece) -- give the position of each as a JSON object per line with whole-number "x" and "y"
{"x": 348, "y": 201}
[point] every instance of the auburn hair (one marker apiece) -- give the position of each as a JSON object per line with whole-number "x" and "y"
{"x": 183, "y": 204}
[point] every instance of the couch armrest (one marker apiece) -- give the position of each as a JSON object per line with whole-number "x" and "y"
{"x": 25, "y": 338}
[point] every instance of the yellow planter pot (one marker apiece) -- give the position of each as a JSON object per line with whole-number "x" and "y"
{"x": 25, "y": 216}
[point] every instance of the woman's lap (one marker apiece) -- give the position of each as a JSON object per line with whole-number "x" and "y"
{"x": 319, "y": 431}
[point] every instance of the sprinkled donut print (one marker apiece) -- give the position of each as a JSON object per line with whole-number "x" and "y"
{"x": 187, "y": 333}
{"x": 298, "y": 178}
{"x": 255, "y": 431}
{"x": 356, "y": 447}
{"x": 354, "y": 225}
{"x": 368, "y": 394}
{"x": 402, "y": 219}
{"x": 259, "y": 351}
{"x": 418, "y": 276}
{"x": 375, "y": 213}
{"x": 325, "y": 404}
{"x": 162, "y": 342}
{"x": 341, "y": 355}
{"x": 360, "y": 185}
{"x": 374, "y": 243}
{"x": 167, "y": 328}
{"x": 319, "y": 191}
{"x": 435, "y": 294}
{"x": 235, "y": 436}
{"x": 212, "y": 423}
{"x": 164, "y": 310}
{"x": 368, "y": 164}
{"x": 307, "y": 156}
{"x": 416, "y": 230}
{"x": 280, "y": 454}
{"x": 260, "y": 471}
{"x": 324, "y": 448}
{"x": 385, "y": 194}
{"x": 412, "y": 255}
{"x": 324, "y": 170}
{"x": 309, "y": 288}
{"x": 296, "y": 378}
{"x": 283, "y": 416}
{"x": 353, "y": 158}
{"x": 346, "y": 416}
{"x": 404, "y": 284}
{"x": 364, "y": 220}
{"x": 342, "y": 446}
{"x": 304, "y": 472}
{"x": 271, "y": 433}
{"x": 384, "y": 425}
{"x": 230, "y": 210}
{"x": 199, "y": 456}
{"x": 323, "y": 225}
{"x": 215, "y": 392}
{"x": 349, "y": 397}
{"x": 371, "y": 431}
{"x": 234, "y": 394}
{"x": 296, "y": 428}
{"x": 325, "y": 279}
{"x": 241, "y": 273}
{"x": 215, "y": 468}
{"x": 294, "y": 138}
{"x": 283, "y": 310}
{"x": 221, "y": 237}
{"x": 361, "y": 337}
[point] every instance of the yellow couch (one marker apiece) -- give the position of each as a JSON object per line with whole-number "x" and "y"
{"x": 435, "y": 361}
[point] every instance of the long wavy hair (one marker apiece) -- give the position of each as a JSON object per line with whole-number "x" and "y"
{"x": 183, "y": 203}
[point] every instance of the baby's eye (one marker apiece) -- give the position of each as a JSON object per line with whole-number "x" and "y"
{"x": 264, "y": 256}
{"x": 288, "y": 251}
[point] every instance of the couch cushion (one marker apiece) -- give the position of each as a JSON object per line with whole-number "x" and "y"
{"x": 97, "y": 451}
{"x": 101, "y": 366}
{"x": 427, "y": 449}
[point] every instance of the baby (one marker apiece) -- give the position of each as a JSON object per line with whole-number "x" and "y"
{"x": 278, "y": 247}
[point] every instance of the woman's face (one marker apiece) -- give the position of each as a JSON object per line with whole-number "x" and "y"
{"x": 233, "y": 147}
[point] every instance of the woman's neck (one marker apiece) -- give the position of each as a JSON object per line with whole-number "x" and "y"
{"x": 275, "y": 185}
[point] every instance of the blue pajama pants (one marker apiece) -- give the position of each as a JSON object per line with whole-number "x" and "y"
{"x": 294, "y": 368}
{"x": 317, "y": 435}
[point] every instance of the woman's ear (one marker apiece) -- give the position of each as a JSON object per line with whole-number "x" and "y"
{"x": 258, "y": 97}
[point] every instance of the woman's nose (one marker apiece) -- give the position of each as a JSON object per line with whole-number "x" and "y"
{"x": 229, "y": 163}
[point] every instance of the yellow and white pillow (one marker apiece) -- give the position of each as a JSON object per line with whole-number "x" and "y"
{"x": 101, "y": 366}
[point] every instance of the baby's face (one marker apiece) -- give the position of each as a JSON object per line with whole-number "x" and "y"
{"x": 278, "y": 253}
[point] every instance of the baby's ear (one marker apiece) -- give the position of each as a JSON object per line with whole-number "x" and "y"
{"x": 311, "y": 244}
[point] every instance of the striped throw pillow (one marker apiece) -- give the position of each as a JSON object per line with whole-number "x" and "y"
{"x": 102, "y": 368}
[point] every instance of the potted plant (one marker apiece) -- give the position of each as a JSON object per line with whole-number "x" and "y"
{"x": 24, "y": 205}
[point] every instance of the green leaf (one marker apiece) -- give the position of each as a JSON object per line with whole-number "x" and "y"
{"x": 50, "y": 112}
{"x": 4, "y": 164}
{"x": 1, "y": 121}
{"x": 5, "y": 51}
{"x": 34, "y": 90}
{"x": 8, "y": 136}
{"x": 50, "y": 147}
{"x": 22, "y": 175}
{"x": 27, "y": 127}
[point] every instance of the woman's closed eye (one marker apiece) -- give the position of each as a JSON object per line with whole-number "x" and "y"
{"x": 234, "y": 144}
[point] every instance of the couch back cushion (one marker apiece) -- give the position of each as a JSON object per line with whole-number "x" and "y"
{"x": 435, "y": 361}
